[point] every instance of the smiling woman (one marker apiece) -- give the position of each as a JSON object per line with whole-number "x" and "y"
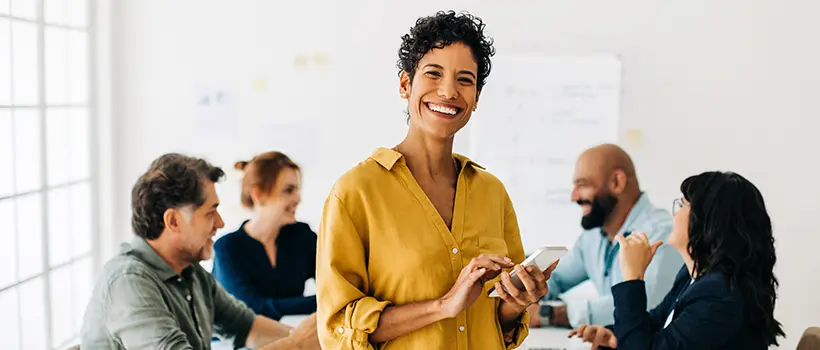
{"x": 401, "y": 271}
{"x": 442, "y": 99}
{"x": 475, "y": 52}
{"x": 267, "y": 260}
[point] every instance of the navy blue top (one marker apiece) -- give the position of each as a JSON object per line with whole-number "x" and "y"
{"x": 243, "y": 268}
{"x": 709, "y": 314}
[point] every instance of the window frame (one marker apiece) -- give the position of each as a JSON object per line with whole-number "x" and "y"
{"x": 42, "y": 107}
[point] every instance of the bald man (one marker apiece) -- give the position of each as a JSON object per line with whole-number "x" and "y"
{"x": 606, "y": 188}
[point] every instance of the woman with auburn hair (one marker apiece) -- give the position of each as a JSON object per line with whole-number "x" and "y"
{"x": 266, "y": 262}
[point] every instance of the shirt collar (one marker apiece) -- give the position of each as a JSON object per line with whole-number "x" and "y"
{"x": 637, "y": 211}
{"x": 387, "y": 158}
{"x": 634, "y": 216}
{"x": 144, "y": 252}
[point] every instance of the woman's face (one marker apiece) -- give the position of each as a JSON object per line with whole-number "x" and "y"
{"x": 444, "y": 91}
{"x": 280, "y": 204}
{"x": 679, "y": 239}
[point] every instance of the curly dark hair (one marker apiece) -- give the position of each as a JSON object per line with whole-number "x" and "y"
{"x": 443, "y": 29}
{"x": 731, "y": 232}
{"x": 172, "y": 181}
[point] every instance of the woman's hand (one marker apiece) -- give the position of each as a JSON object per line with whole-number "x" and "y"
{"x": 535, "y": 286}
{"x": 470, "y": 283}
{"x": 597, "y": 335}
{"x": 635, "y": 254}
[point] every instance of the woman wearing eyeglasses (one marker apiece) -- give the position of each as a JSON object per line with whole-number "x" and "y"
{"x": 724, "y": 296}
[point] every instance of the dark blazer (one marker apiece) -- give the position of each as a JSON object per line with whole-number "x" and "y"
{"x": 243, "y": 268}
{"x": 709, "y": 314}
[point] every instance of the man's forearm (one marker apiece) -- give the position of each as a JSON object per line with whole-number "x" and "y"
{"x": 280, "y": 344}
{"x": 559, "y": 316}
{"x": 288, "y": 343}
{"x": 265, "y": 331}
{"x": 303, "y": 337}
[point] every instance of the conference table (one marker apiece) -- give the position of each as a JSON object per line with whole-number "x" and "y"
{"x": 552, "y": 339}
{"x": 539, "y": 338}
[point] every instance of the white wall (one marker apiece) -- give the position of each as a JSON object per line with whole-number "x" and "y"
{"x": 726, "y": 85}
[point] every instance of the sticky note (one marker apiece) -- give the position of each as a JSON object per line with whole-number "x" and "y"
{"x": 321, "y": 59}
{"x": 300, "y": 61}
{"x": 634, "y": 138}
{"x": 260, "y": 84}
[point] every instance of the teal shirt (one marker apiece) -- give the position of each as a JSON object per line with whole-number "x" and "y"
{"x": 594, "y": 257}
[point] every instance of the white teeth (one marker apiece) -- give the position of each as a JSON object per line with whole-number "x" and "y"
{"x": 441, "y": 109}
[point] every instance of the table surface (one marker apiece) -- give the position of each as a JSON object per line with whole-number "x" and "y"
{"x": 539, "y": 338}
{"x": 552, "y": 338}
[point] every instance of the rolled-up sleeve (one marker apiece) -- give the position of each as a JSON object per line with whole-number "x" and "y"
{"x": 512, "y": 235}
{"x": 346, "y": 315}
{"x": 136, "y": 315}
{"x": 516, "y": 336}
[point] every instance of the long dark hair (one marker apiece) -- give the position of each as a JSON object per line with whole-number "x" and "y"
{"x": 731, "y": 232}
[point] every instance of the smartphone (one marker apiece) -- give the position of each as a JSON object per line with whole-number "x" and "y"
{"x": 542, "y": 258}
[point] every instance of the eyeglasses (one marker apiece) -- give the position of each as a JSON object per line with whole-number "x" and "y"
{"x": 677, "y": 204}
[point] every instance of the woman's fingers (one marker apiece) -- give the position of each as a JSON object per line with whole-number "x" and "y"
{"x": 540, "y": 281}
{"x": 599, "y": 338}
{"x": 501, "y": 260}
{"x": 502, "y": 293}
{"x": 510, "y": 287}
{"x": 589, "y": 334}
{"x": 578, "y": 331}
{"x": 620, "y": 239}
{"x": 526, "y": 279}
{"x": 491, "y": 262}
{"x": 655, "y": 247}
{"x": 597, "y": 335}
{"x": 548, "y": 272}
{"x": 476, "y": 275}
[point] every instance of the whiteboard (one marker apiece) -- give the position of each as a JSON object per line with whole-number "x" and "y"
{"x": 535, "y": 116}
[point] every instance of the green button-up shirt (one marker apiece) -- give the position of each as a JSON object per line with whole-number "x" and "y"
{"x": 139, "y": 302}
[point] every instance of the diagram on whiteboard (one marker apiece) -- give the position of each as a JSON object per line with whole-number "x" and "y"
{"x": 535, "y": 116}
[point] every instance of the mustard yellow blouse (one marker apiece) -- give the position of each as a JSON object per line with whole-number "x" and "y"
{"x": 382, "y": 242}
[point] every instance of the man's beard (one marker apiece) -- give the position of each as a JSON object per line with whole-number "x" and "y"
{"x": 197, "y": 255}
{"x": 602, "y": 206}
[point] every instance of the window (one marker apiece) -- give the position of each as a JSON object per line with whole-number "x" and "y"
{"x": 47, "y": 250}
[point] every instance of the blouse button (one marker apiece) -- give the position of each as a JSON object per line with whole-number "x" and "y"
{"x": 340, "y": 330}
{"x": 455, "y": 250}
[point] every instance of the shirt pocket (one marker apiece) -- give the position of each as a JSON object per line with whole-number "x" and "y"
{"x": 492, "y": 245}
